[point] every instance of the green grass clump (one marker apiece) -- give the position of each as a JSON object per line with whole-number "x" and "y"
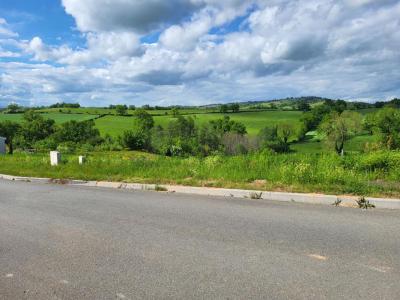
{"x": 375, "y": 174}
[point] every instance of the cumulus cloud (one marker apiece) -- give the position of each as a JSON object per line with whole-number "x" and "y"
{"x": 140, "y": 16}
{"x": 213, "y": 50}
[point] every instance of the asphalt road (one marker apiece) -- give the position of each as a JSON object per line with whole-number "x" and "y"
{"x": 60, "y": 242}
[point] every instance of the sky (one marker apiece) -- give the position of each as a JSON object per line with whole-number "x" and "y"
{"x": 194, "y": 52}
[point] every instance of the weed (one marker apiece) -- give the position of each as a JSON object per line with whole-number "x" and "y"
{"x": 337, "y": 202}
{"x": 364, "y": 203}
{"x": 255, "y": 195}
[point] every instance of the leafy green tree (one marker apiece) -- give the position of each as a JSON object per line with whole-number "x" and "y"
{"x": 304, "y": 106}
{"x": 235, "y": 107}
{"x": 9, "y": 130}
{"x": 339, "y": 128}
{"x": 208, "y": 140}
{"x": 313, "y": 118}
{"x": 268, "y": 134}
{"x": 340, "y": 106}
{"x": 143, "y": 120}
{"x": 175, "y": 112}
{"x": 275, "y": 138}
{"x": 369, "y": 123}
{"x": 182, "y": 127}
{"x": 135, "y": 140}
{"x": 78, "y": 132}
{"x": 12, "y": 108}
{"x": 285, "y": 131}
{"x": 121, "y": 110}
{"x": 34, "y": 128}
{"x": 224, "y": 108}
{"x": 394, "y": 103}
{"x": 387, "y": 121}
{"x": 225, "y": 125}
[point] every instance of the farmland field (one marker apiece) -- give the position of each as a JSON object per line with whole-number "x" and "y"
{"x": 108, "y": 111}
{"x": 57, "y": 117}
{"x": 254, "y": 121}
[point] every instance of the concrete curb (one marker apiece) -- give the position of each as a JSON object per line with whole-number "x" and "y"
{"x": 348, "y": 201}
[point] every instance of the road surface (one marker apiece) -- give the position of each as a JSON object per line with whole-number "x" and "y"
{"x": 62, "y": 242}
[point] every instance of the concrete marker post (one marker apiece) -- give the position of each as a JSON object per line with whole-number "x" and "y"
{"x": 55, "y": 158}
{"x": 2, "y": 145}
{"x": 82, "y": 159}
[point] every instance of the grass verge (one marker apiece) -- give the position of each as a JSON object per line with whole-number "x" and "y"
{"x": 375, "y": 174}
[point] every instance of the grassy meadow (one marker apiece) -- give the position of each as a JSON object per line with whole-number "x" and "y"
{"x": 254, "y": 121}
{"x": 373, "y": 174}
{"x": 57, "y": 117}
{"x": 109, "y": 123}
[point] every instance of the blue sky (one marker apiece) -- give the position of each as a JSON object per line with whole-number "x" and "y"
{"x": 158, "y": 52}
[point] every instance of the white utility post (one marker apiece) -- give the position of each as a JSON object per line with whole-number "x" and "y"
{"x": 55, "y": 158}
{"x": 2, "y": 145}
{"x": 82, "y": 160}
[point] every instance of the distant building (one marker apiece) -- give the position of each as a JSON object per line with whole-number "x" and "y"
{"x": 2, "y": 145}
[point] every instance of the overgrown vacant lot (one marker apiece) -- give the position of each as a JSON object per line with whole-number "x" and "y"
{"x": 57, "y": 117}
{"x": 374, "y": 174}
{"x": 254, "y": 121}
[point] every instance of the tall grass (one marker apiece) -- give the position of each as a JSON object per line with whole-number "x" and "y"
{"x": 374, "y": 174}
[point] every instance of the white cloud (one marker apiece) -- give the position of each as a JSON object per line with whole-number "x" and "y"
{"x": 340, "y": 49}
{"x": 5, "y": 31}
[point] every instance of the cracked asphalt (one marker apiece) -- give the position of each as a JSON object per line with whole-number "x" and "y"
{"x": 63, "y": 242}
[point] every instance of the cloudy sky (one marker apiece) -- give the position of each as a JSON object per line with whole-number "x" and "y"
{"x": 165, "y": 52}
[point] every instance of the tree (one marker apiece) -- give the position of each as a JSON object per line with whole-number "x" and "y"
{"x": 175, "y": 112}
{"x": 78, "y": 132}
{"x": 339, "y": 128}
{"x": 304, "y": 106}
{"x": 225, "y": 125}
{"x": 9, "y": 130}
{"x": 182, "y": 128}
{"x": 387, "y": 121}
{"x": 313, "y": 118}
{"x": 208, "y": 139}
{"x": 369, "y": 123}
{"x": 143, "y": 120}
{"x": 285, "y": 131}
{"x": 13, "y": 108}
{"x": 121, "y": 110}
{"x": 340, "y": 106}
{"x": 235, "y": 107}
{"x": 135, "y": 140}
{"x": 224, "y": 108}
{"x": 34, "y": 128}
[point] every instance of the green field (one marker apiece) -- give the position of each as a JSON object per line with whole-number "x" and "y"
{"x": 57, "y": 117}
{"x": 254, "y": 121}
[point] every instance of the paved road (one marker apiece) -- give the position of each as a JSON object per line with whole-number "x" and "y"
{"x": 59, "y": 242}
